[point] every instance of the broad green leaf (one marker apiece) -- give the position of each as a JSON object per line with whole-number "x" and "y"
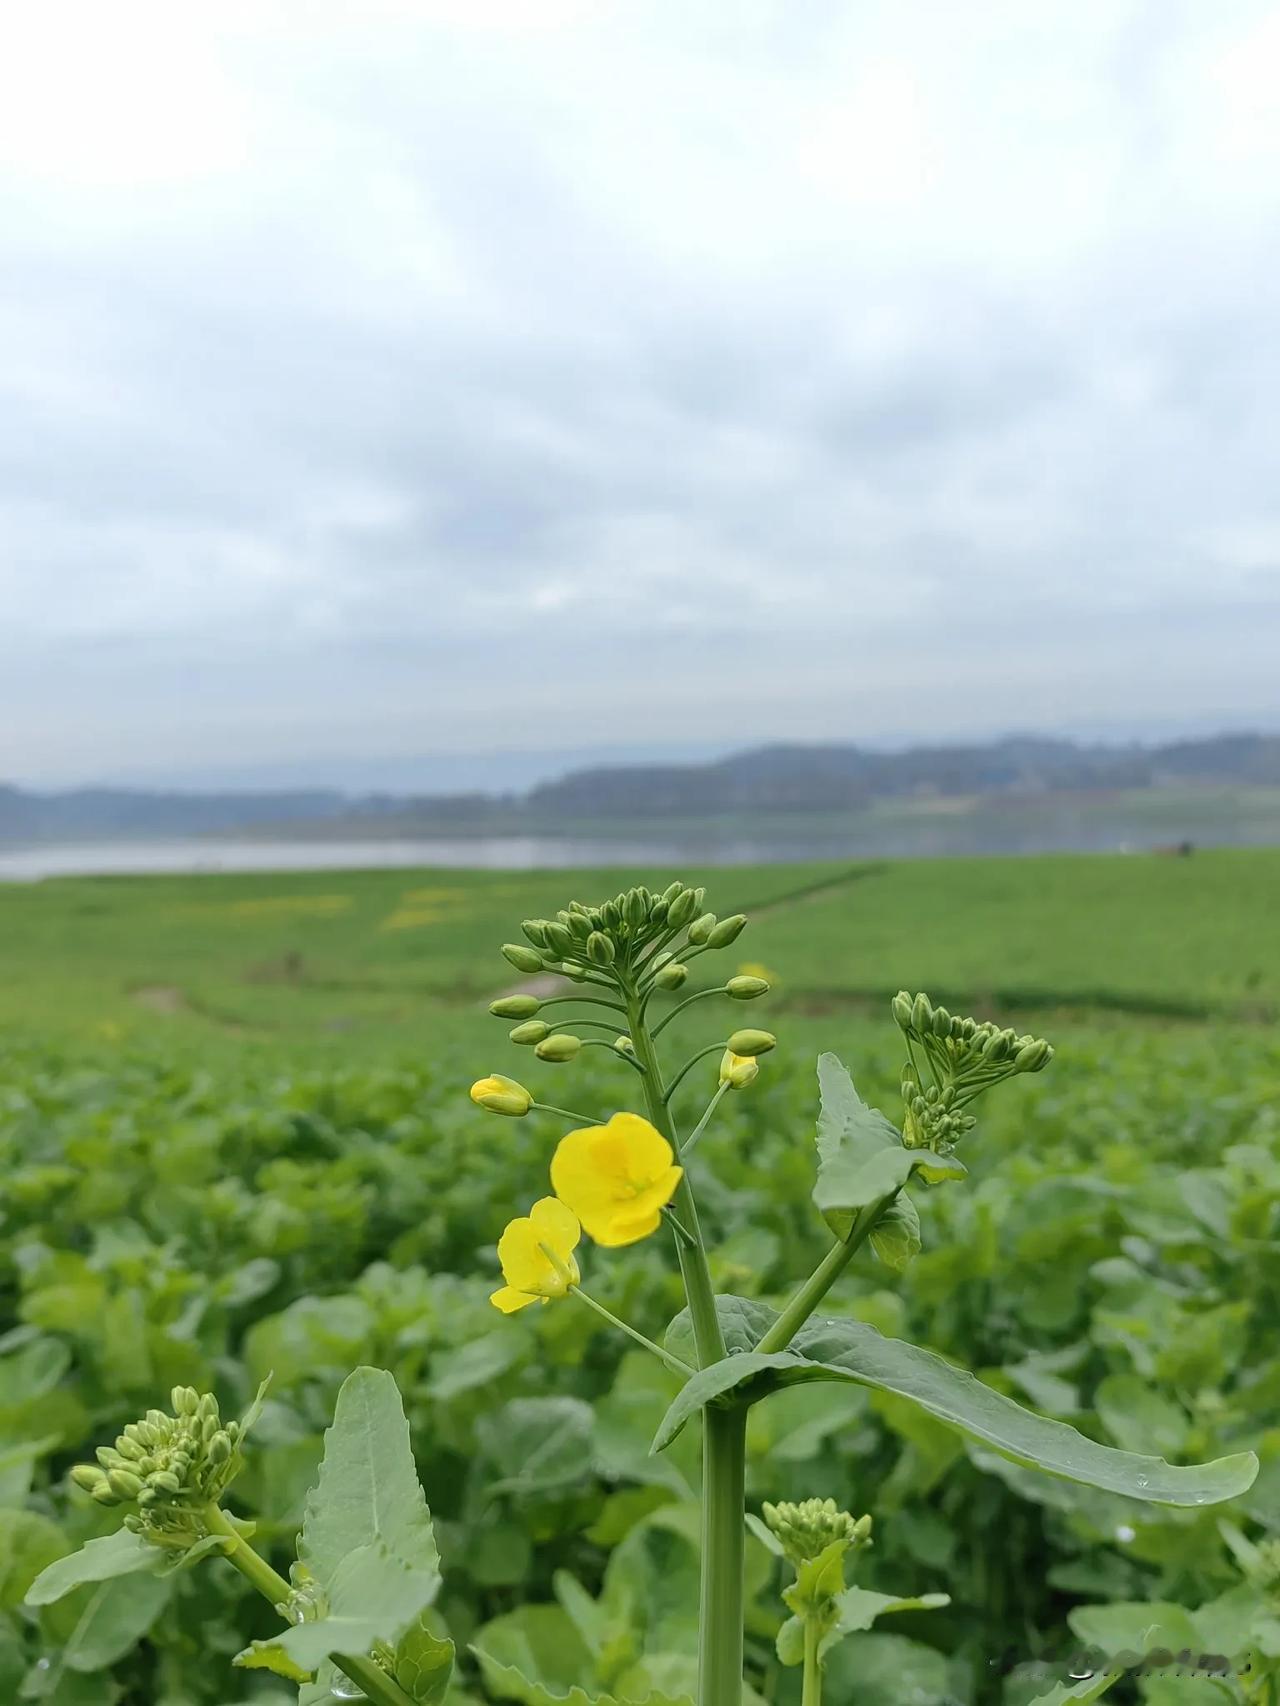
{"x": 424, "y": 1664}
{"x": 17, "y": 1466}
{"x": 539, "y": 1641}
{"x": 116, "y": 1614}
{"x": 267, "y": 1655}
{"x": 743, "y": 1321}
{"x": 895, "y": 1238}
{"x": 667, "y": 1676}
{"x": 118, "y": 1554}
{"x": 852, "y": 1351}
{"x": 1138, "y": 1628}
{"x": 859, "y": 1607}
{"x": 373, "y": 1596}
{"x": 861, "y": 1157}
{"x": 887, "y": 1670}
{"x": 368, "y": 1491}
{"x": 857, "y": 1610}
{"x": 508, "y": 1683}
{"x": 29, "y": 1543}
{"x": 542, "y": 1445}
{"x": 860, "y": 1154}
{"x": 1134, "y": 1414}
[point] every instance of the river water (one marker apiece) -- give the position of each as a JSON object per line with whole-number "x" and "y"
{"x": 123, "y": 858}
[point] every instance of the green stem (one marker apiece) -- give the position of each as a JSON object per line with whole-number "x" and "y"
{"x": 724, "y": 1456}
{"x": 694, "y": 1268}
{"x": 823, "y": 1277}
{"x": 269, "y": 1583}
{"x": 711, "y": 1048}
{"x": 688, "y": 1001}
{"x": 377, "y": 1685}
{"x": 581, "y": 1001}
{"x": 686, "y": 1147}
{"x": 812, "y": 1694}
{"x": 672, "y": 1362}
{"x": 565, "y": 1113}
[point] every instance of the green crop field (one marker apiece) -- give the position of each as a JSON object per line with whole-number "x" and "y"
{"x": 235, "y": 1140}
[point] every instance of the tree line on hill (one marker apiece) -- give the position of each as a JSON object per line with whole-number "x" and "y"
{"x": 781, "y": 779}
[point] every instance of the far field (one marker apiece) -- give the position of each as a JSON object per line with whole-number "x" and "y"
{"x": 389, "y": 963}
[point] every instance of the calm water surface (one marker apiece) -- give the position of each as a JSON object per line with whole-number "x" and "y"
{"x": 119, "y": 858}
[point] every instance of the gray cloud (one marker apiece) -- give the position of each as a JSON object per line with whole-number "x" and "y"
{"x": 445, "y": 376}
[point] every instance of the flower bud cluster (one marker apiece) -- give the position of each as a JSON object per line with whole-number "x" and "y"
{"x": 962, "y": 1058}
{"x": 805, "y": 1530}
{"x": 933, "y": 1121}
{"x": 617, "y": 936}
{"x": 169, "y": 1466}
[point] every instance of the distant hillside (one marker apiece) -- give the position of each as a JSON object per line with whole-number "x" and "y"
{"x": 775, "y": 780}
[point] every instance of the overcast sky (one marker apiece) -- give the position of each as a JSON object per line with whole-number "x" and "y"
{"x": 380, "y": 381}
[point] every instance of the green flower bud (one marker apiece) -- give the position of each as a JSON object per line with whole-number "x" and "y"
{"x": 671, "y": 893}
{"x": 752, "y": 1042}
{"x": 185, "y": 1400}
{"x": 124, "y": 1483}
{"x": 727, "y": 930}
{"x": 941, "y": 1022}
{"x": 701, "y": 928}
{"x": 522, "y": 958}
{"x": 746, "y": 988}
{"x": 671, "y": 976}
{"x": 560, "y": 940}
{"x": 624, "y": 1045}
{"x": 560, "y": 1047}
{"x": 900, "y": 1007}
{"x": 88, "y": 1477}
{"x": 996, "y": 1048}
{"x": 515, "y": 1007}
{"x": 635, "y": 909}
{"x": 600, "y": 949}
{"x": 1033, "y": 1056}
{"x": 683, "y": 909}
{"x": 219, "y": 1448}
{"x": 535, "y": 929}
{"x": 129, "y": 1448}
{"x": 532, "y": 1031}
{"x": 921, "y": 1015}
{"x": 104, "y": 1495}
{"x": 163, "y": 1481}
{"x": 579, "y": 928}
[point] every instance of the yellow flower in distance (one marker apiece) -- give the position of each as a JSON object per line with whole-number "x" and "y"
{"x": 617, "y": 1178}
{"x": 537, "y": 1257}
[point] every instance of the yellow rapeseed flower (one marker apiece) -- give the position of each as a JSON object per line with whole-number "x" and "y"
{"x": 738, "y": 1070}
{"x": 501, "y": 1095}
{"x": 537, "y": 1257}
{"x": 617, "y": 1178}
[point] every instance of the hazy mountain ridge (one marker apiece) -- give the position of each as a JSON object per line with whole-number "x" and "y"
{"x": 779, "y": 778}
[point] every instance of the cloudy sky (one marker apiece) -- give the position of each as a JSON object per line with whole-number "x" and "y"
{"x": 387, "y": 381}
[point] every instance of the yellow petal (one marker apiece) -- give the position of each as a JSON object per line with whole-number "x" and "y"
{"x": 556, "y": 1226}
{"x": 580, "y": 1175}
{"x": 508, "y": 1299}
{"x": 648, "y": 1152}
{"x": 621, "y": 1229}
{"x": 523, "y": 1264}
{"x": 655, "y": 1196}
